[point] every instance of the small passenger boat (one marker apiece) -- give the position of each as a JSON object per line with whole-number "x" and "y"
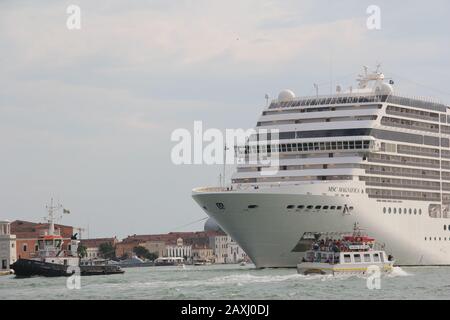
{"x": 349, "y": 254}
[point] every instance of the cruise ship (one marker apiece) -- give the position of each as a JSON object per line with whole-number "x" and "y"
{"x": 365, "y": 155}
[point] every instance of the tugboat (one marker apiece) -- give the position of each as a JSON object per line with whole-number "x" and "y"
{"x": 349, "y": 254}
{"x": 52, "y": 260}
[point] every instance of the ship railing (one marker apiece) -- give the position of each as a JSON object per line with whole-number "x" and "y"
{"x": 417, "y": 101}
{"x": 211, "y": 189}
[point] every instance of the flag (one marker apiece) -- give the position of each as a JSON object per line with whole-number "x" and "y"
{"x": 66, "y": 211}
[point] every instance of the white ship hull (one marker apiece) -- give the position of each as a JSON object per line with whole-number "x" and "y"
{"x": 270, "y": 232}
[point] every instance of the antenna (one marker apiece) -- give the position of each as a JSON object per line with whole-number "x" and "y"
{"x": 51, "y": 217}
{"x": 267, "y": 99}
{"x": 224, "y": 163}
{"x": 316, "y": 86}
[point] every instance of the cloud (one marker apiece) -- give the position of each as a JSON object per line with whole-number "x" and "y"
{"x": 89, "y": 113}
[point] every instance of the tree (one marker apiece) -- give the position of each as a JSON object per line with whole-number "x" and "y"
{"x": 152, "y": 256}
{"x": 142, "y": 252}
{"x": 82, "y": 251}
{"x": 107, "y": 250}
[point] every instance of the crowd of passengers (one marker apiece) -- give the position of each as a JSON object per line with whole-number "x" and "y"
{"x": 331, "y": 245}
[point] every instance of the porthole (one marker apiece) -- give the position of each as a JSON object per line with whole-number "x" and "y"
{"x": 384, "y": 210}
{"x": 405, "y": 211}
{"x": 220, "y": 206}
{"x": 290, "y": 207}
{"x": 425, "y": 238}
{"x": 415, "y": 211}
{"x": 389, "y": 210}
{"x": 410, "y": 211}
{"x": 420, "y": 212}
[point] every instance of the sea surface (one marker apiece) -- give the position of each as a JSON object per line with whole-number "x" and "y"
{"x": 233, "y": 282}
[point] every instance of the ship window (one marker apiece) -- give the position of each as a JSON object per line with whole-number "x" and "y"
{"x": 376, "y": 257}
{"x": 318, "y": 207}
{"x": 351, "y": 208}
{"x": 420, "y": 212}
{"x": 389, "y": 210}
{"x": 366, "y": 257}
{"x": 445, "y": 227}
{"x": 357, "y": 258}
{"x": 301, "y": 207}
{"x": 384, "y": 210}
{"x": 415, "y": 211}
{"x": 252, "y": 206}
{"x": 395, "y": 210}
{"x": 310, "y": 207}
{"x": 333, "y": 207}
{"x": 36, "y": 248}
{"x": 24, "y": 248}
{"x": 347, "y": 258}
{"x": 339, "y": 208}
{"x": 326, "y": 207}
{"x": 290, "y": 207}
{"x": 410, "y": 210}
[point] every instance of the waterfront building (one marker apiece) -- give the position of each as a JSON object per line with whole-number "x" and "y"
{"x": 8, "y": 253}
{"x": 93, "y": 246}
{"x": 235, "y": 254}
{"x": 155, "y": 247}
{"x": 179, "y": 250}
{"x": 202, "y": 254}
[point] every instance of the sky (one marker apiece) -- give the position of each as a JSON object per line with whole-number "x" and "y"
{"x": 86, "y": 115}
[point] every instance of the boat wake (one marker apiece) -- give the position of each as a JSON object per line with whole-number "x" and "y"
{"x": 398, "y": 272}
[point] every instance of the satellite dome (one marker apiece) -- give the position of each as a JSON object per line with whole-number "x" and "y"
{"x": 286, "y": 95}
{"x": 211, "y": 225}
{"x": 384, "y": 89}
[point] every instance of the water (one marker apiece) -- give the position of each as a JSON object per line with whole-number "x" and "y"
{"x": 232, "y": 282}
